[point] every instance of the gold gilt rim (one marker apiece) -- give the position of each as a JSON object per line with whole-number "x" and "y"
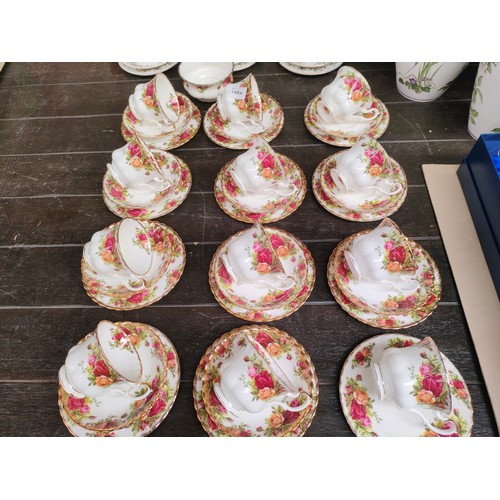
{"x": 309, "y": 417}
{"x": 318, "y": 171}
{"x": 154, "y": 331}
{"x": 237, "y": 143}
{"x": 304, "y": 297}
{"x": 350, "y": 356}
{"x": 343, "y": 141}
{"x": 299, "y": 200}
{"x": 141, "y": 306}
{"x": 108, "y": 200}
{"x": 299, "y": 349}
{"x": 384, "y": 327}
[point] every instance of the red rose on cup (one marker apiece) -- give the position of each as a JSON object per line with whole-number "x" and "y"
{"x": 76, "y": 403}
{"x": 224, "y": 275}
{"x": 377, "y": 158}
{"x": 134, "y": 149}
{"x": 100, "y": 368}
{"x": 263, "y": 339}
{"x": 263, "y": 380}
{"x": 156, "y": 235}
{"x": 458, "y": 384}
{"x": 358, "y": 412}
{"x": 398, "y": 254}
{"x": 268, "y": 161}
{"x": 264, "y": 255}
{"x": 149, "y": 89}
{"x": 276, "y": 241}
{"x": 434, "y": 384}
{"x": 109, "y": 244}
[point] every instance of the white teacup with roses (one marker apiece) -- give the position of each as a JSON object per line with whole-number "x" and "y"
{"x": 250, "y": 380}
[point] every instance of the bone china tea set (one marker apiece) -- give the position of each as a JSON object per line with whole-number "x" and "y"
{"x": 122, "y": 379}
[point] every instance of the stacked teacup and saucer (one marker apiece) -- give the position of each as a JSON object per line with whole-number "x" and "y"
{"x": 146, "y": 68}
{"x": 345, "y": 110}
{"x": 262, "y": 274}
{"x": 255, "y": 381}
{"x": 144, "y": 183}
{"x": 394, "y": 385}
{"x": 383, "y": 279}
{"x": 163, "y": 118}
{"x": 311, "y": 68}
{"x": 132, "y": 264}
{"x": 360, "y": 184}
{"x": 242, "y": 114}
{"x": 260, "y": 185}
{"x": 120, "y": 380}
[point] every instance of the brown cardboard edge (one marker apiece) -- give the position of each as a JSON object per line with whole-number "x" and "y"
{"x": 475, "y": 286}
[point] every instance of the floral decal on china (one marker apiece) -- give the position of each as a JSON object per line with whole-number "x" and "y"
{"x": 148, "y": 97}
{"x": 429, "y": 387}
{"x": 459, "y": 389}
{"x": 360, "y": 406}
{"x": 98, "y": 371}
{"x": 476, "y": 93}
{"x": 107, "y": 249}
{"x": 398, "y": 342}
{"x": 456, "y": 418}
{"x": 141, "y": 240}
{"x": 138, "y": 157}
{"x": 397, "y": 257}
{"x": 275, "y": 345}
{"x": 269, "y": 165}
{"x": 282, "y": 421}
{"x": 363, "y": 357}
{"x": 356, "y": 89}
{"x": 115, "y": 190}
{"x": 262, "y": 384}
{"x": 262, "y": 258}
{"x": 420, "y": 77}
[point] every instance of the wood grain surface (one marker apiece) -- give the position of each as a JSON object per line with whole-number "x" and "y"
{"x": 59, "y": 123}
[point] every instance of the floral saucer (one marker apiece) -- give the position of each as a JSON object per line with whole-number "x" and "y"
{"x": 386, "y": 320}
{"x": 239, "y": 66}
{"x": 294, "y": 248}
{"x": 167, "y": 141}
{"x": 311, "y": 70}
{"x": 146, "y": 297}
{"x": 368, "y": 416}
{"x": 139, "y": 70}
{"x": 227, "y": 195}
{"x": 377, "y": 208}
{"x": 115, "y": 196}
{"x": 376, "y": 129}
{"x": 217, "y": 129}
{"x": 291, "y": 357}
{"x": 149, "y": 421}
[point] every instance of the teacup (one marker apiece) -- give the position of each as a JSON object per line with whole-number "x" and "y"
{"x": 383, "y": 258}
{"x": 240, "y": 104}
{"x": 105, "y": 363}
{"x": 414, "y": 379}
{"x": 258, "y": 171}
{"x": 134, "y": 166}
{"x": 365, "y": 168}
{"x": 203, "y": 80}
{"x": 250, "y": 258}
{"x": 347, "y": 100}
{"x": 122, "y": 251}
{"x": 250, "y": 380}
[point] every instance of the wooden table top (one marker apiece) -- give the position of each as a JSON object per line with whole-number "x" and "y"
{"x": 59, "y": 123}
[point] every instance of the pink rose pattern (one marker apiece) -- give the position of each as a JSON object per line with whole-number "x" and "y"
{"x": 360, "y": 406}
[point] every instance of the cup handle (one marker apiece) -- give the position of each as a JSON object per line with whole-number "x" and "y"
{"x": 229, "y": 267}
{"x": 289, "y": 280}
{"x": 398, "y": 185}
{"x": 286, "y": 406}
{"x": 443, "y": 432}
{"x": 131, "y": 287}
{"x": 253, "y": 123}
{"x": 293, "y": 186}
{"x": 374, "y": 113}
{"x": 132, "y": 392}
{"x": 113, "y": 174}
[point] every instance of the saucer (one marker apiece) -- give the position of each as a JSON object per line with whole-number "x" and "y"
{"x": 367, "y": 416}
{"x": 146, "y": 297}
{"x": 335, "y": 208}
{"x": 312, "y": 70}
{"x": 217, "y": 129}
{"x": 238, "y": 66}
{"x": 148, "y": 422}
{"x": 168, "y": 141}
{"x": 278, "y": 423}
{"x": 139, "y": 70}
{"x": 385, "y": 320}
{"x": 114, "y": 197}
{"x": 285, "y": 207}
{"x": 283, "y": 309}
{"x": 376, "y": 129}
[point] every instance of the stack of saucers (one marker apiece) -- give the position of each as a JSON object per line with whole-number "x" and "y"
{"x": 260, "y": 185}
{"x": 163, "y": 118}
{"x": 144, "y": 183}
{"x": 120, "y": 380}
{"x": 383, "y": 279}
{"x": 242, "y": 114}
{"x": 262, "y": 274}
{"x": 146, "y": 68}
{"x": 345, "y": 110}
{"x": 256, "y": 381}
{"x": 132, "y": 264}
{"x": 311, "y": 68}
{"x": 360, "y": 184}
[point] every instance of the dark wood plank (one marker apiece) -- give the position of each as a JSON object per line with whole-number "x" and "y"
{"x": 438, "y": 120}
{"x": 44, "y": 276}
{"x": 82, "y": 173}
{"x": 74, "y": 220}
